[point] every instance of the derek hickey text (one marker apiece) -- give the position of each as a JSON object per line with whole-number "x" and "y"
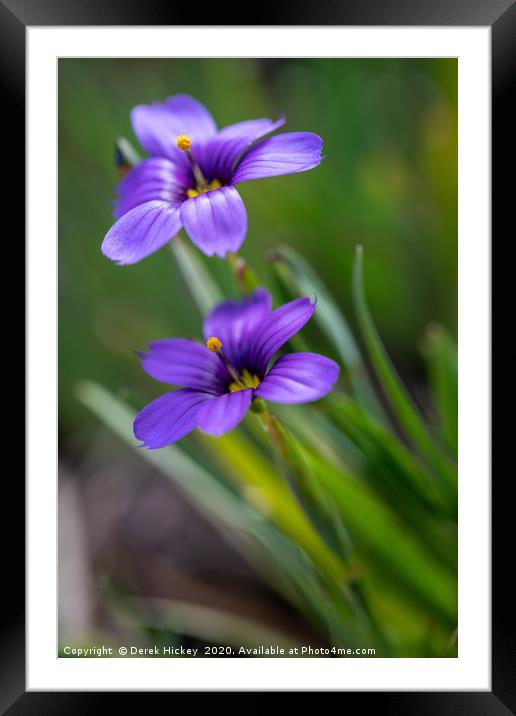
{"x": 166, "y": 651}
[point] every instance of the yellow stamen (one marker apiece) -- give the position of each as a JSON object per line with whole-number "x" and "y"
{"x": 213, "y": 344}
{"x": 215, "y": 184}
{"x": 184, "y": 142}
{"x": 251, "y": 380}
{"x": 247, "y": 380}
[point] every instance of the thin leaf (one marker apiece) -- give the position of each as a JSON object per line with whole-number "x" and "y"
{"x": 398, "y": 477}
{"x": 208, "y": 624}
{"x": 204, "y": 290}
{"x": 271, "y": 493}
{"x": 377, "y": 534}
{"x": 311, "y": 425}
{"x": 382, "y": 447}
{"x": 296, "y": 272}
{"x": 440, "y": 352}
{"x": 403, "y": 406}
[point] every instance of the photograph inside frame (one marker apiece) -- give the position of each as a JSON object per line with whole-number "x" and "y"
{"x": 257, "y": 358}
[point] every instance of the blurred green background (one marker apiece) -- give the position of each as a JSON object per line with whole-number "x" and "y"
{"x": 389, "y": 181}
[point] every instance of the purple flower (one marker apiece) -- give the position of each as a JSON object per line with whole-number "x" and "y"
{"x": 221, "y": 378}
{"x": 190, "y": 177}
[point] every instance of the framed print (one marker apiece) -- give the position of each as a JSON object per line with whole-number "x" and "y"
{"x": 259, "y": 412}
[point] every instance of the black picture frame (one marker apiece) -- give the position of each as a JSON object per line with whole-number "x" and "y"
{"x": 500, "y": 15}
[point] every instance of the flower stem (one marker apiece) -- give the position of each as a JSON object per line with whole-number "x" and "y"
{"x": 318, "y": 510}
{"x": 245, "y": 277}
{"x": 277, "y": 434}
{"x": 270, "y": 424}
{"x": 302, "y": 481}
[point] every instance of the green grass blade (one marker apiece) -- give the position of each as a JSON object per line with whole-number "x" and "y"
{"x": 292, "y": 269}
{"x": 379, "y": 537}
{"x": 383, "y": 448}
{"x": 208, "y": 624}
{"x": 398, "y": 478}
{"x": 266, "y": 487}
{"x": 440, "y": 352}
{"x": 402, "y": 404}
{"x": 204, "y": 290}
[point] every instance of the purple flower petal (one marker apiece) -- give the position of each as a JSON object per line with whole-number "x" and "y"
{"x": 169, "y": 195}
{"x": 216, "y": 221}
{"x": 233, "y": 323}
{"x": 186, "y": 363}
{"x": 155, "y": 170}
{"x": 229, "y": 143}
{"x": 222, "y": 414}
{"x": 276, "y": 330}
{"x": 155, "y": 178}
{"x": 299, "y": 378}
{"x": 157, "y": 126}
{"x": 141, "y": 231}
{"x": 282, "y": 154}
{"x": 169, "y": 417}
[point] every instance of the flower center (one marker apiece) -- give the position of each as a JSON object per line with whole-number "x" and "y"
{"x": 184, "y": 143}
{"x": 214, "y": 184}
{"x": 241, "y": 381}
{"x": 247, "y": 380}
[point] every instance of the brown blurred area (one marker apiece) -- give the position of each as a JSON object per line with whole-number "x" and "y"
{"x": 137, "y": 560}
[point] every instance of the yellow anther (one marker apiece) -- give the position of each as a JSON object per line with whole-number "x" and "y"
{"x": 247, "y": 380}
{"x": 251, "y": 380}
{"x": 214, "y": 184}
{"x": 213, "y": 344}
{"x": 184, "y": 142}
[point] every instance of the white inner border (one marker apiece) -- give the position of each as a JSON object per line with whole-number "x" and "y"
{"x": 471, "y": 671}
